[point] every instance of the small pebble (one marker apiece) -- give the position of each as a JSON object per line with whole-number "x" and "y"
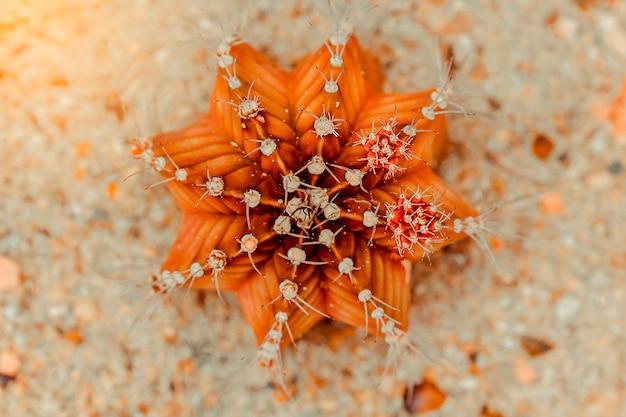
{"x": 58, "y": 310}
{"x": 11, "y": 311}
{"x": 565, "y": 27}
{"x": 615, "y": 168}
{"x": 169, "y": 334}
{"x": 469, "y": 383}
{"x": 525, "y": 372}
{"x": 423, "y": 397}
{"x": 599, "y": 279}
{"x": 73, "y": 336}
{"x": 566, "y": 308}
{"x": 85, "y": 310}
{"x": 551, "y": 203}
{"x": 487, "y": 412}
{"x": 9, "y": 274}
{"x": 10, "y": 363}
{"x": 598, "y": 143}
{"x": 542, "y": 146}
{"x": 535, "y": 346}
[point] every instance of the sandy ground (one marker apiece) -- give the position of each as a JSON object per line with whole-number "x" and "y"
{"x": 539, "y": 332}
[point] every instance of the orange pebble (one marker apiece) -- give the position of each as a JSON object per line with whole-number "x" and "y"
{"x": 525, "y": 372}
{"x": 82, "y": 148}
{"x": 112, "y": 190}
{"x": 551, "y": 203}
{"x": 73, "y": 336}
{"x": 495, "y": 243}
{"x": 10, "y": 363}
{"x": 423, "y": 397}
{"x": 9, "y": 274}
{"x": 79, "y": 172}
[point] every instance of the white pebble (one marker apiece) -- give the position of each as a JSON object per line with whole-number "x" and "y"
{"x": 11, "y": 311}
{"x": 469, "y": 383}
{"x": 566, "y": 308}
{"x": 599, "y": 279}
{"x": 58, "y": 310}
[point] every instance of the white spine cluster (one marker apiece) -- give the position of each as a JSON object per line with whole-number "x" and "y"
{"x": 325, "y": 124}
{"x": 378, "y": 313}
{"x": 180, "y": 174}
{"x": 249, "y": 106}
{"x": 248, "y": 245}
{"x": 214, "y": 187}
{"x": 478, "y": 228}
{"x": 289, "y": 292}
{"x": 269, "y": 353}
{"x": 346, "y": 267}
{"x": 442, "y": 98}
{"x": 216, "y": 261}
{"x": 231, "y": 78}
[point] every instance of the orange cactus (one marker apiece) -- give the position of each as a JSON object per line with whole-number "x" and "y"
{"x": 307, "y": 193}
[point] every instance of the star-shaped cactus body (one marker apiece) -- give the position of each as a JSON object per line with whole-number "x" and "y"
{"x": 307, "y": 192}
